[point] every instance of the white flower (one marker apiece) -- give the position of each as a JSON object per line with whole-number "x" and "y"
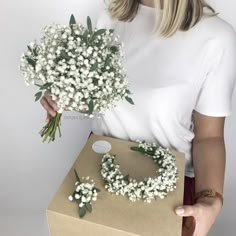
{"x": 70, "y": 198}
{"x": 83, "y": 199}
{"x": 94, "y": 198}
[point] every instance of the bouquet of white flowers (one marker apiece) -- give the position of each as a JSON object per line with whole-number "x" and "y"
{"x": 81, "y": 68}
{"x": 84, "y": 194}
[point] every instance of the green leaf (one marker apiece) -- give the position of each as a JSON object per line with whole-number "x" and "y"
{"x": 88, "y": 206}
{"x": 126, "y": 178}
{"x": 89, "y": 24}
{"x": 127, "y": 91}
{"x": 100, "y": 31}
{"x": 77, "y": 176}
{"x": 99, "y": 44}
{"x": 31, "y": 61}
{"x": 38, "y": 96}
{"x": 111, "y": 30}
{"x": 35, "y": 52}
{"x": 84, "y": 37}
{"x": 107, "y": 61}
{"x": 94, "y": 66}
{"x": 38, "y": 85}
{"x": 45, "y": 86}
{"x": 128, "y": 99}
{"x": 114, "y": 49}
{"x": 82, "y": 211}
{"x": 72, "y": 20}
{"x": 30, "y": 49}
{"x": 64, "y": 55}
{"x": 95, "y": 81}
{"x": 91, "y": 106}
{"x": 98, "y": 190}
{"x": 138, "y": 149}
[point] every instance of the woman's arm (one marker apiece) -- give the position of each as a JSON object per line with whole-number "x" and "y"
{"x": 208, "y": 151}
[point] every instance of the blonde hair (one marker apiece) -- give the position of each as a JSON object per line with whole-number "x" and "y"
{"x": 177, "y": 14}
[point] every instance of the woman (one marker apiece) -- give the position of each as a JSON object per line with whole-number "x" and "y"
{"x": 182, "y": 79}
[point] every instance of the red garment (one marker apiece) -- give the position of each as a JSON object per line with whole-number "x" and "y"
{"x": 189, "y": 192}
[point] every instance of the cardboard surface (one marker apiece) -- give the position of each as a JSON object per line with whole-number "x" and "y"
{"x": 116, "y": 215}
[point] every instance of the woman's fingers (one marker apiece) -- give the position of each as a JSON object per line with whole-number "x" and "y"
{"x": 50, "y": 101}
{"x": 48, "y": 117}
{"x": 47, "y": 107}
{"x": 186, "y": 211}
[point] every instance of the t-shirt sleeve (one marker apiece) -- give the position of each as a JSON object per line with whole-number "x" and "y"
{"x": 215, "y": 96}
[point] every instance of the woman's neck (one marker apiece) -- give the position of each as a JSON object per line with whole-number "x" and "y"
{"x": 149, "y": 3}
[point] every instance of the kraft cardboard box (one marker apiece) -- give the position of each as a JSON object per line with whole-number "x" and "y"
{"x": 115, "y": 215}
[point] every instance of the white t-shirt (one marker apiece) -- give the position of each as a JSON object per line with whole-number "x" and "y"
{"x": 169, "y": 78}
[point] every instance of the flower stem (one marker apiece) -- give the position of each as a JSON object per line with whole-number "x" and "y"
{"x": 50, "y": 129}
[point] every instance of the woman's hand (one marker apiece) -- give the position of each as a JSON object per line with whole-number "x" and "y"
{"x": 51, "y": 107}
{"x": 204, "y": 213}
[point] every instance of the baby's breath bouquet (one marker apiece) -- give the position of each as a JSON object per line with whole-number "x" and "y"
{"x": 81, "y": 68}
{"x": 84, "y": 194}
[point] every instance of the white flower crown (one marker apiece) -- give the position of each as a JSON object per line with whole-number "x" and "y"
{"x": 151, "y": 187}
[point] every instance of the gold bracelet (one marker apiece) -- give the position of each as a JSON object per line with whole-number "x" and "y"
{"x": 209, "y": 193}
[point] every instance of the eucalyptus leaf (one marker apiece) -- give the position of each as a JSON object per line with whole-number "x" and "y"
{"x": 77, "y": 176}
{"x": 98, "y": 190}
{"x": 114, "y": 49}
{"x": 35, "y": 52}
{"x": 128, "y": 99}
{"x": 89, "y": 24}
{"x": 84, "y": 37}
{"x": 57, "y": 59}
{"x": 72, "y": 20}
{"x": 38, "y": 85}
{"x": 45, "y": 86}
{"x": 99, "y": 44}
{"x": 127, "y": 91}
{"x": 38, "y": 96}
{"x": 88, "y": 206}
{"x": 74, "y": 194}
{"x": 82, "y": 211}
{"x": 92, "y": 38}
{"x": 31, "y": 61}
{"x": 126, "y": 178}
{"x": 30, "y": 49}
{"x": 95, "y": 81}
{"x": 138, "y": 149}
{"x": 107, "y": 61}
{"x": 64, "y": 55}
{"x": 94, "y": 66}
{"x": 91, "y": 106}
{"x": 100, "y": 32}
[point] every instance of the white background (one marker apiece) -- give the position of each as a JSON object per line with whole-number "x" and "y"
{"x": 30, "y": 171}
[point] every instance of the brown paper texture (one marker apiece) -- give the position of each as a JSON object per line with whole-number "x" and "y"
{"x": 114, "y": 215}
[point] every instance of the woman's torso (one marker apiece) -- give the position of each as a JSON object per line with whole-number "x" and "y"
{"x": 165, "y": 76}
